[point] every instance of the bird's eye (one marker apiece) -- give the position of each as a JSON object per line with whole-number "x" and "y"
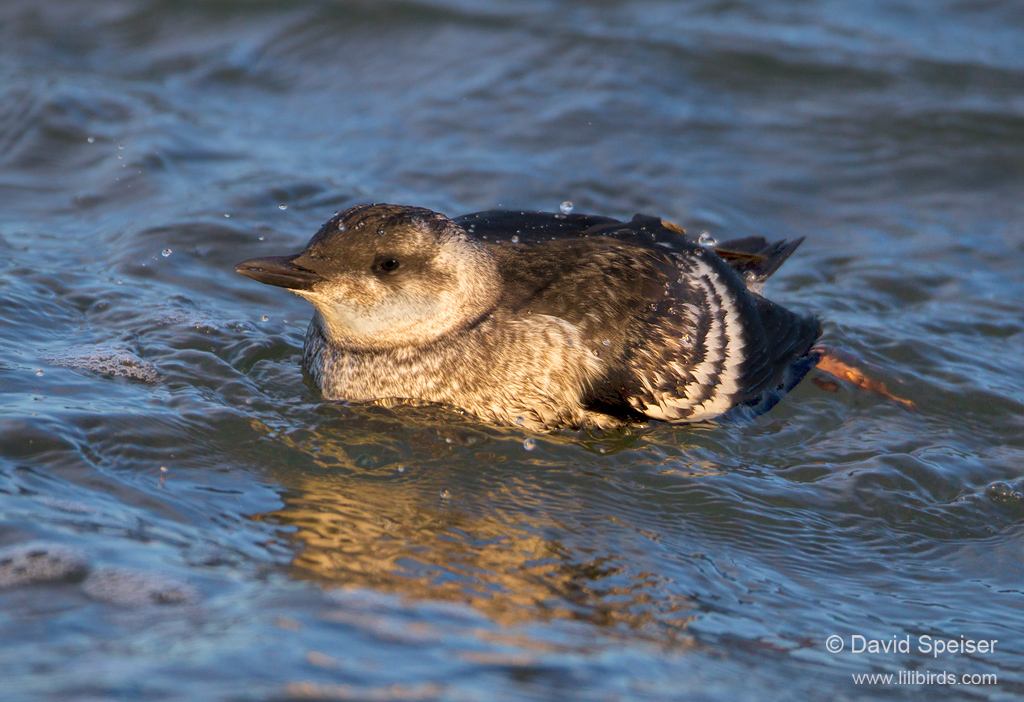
{"x": 389, "y": 264}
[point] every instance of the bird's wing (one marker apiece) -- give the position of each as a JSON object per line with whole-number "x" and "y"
{"x": 754, "y": 257}
{"x": 712, "y": 344}
{"x": 530, "y": 227}
{"x": 534, "y": 227}
{"x": 681, "y": 336}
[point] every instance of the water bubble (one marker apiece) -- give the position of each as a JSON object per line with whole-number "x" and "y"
{"x": 706, "y": 239}
{"x": 39, "y": 372}
{"x": 282, "y": 206}
{"x": 445, "y": 494}
{"x": 166, "y": 252}
{"x": 515, "y": 239}
{"x": 565, "y": 207}
{"x": 530, "y": 444}
{"x": 91, "y": 140}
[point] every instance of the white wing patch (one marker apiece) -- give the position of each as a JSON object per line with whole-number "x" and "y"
{"x": 729, "y": 342}
{"x": 724, "y": 345}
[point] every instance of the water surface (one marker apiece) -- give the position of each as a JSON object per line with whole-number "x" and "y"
{"x": 228, "y": 535}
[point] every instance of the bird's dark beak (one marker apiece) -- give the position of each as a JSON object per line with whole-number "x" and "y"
{"x": 281, "y": 271}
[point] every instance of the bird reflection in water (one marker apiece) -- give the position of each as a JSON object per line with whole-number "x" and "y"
{"x": 500, "y": 542}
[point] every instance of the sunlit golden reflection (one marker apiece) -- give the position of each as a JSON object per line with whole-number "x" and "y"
{"x": 494, "y": 544}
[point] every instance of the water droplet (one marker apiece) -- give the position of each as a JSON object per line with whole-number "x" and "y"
{"x": 606, "y": 343}
{"x": 166, "y": 252}
{"x": 120, "y": 146}
{"x": 449, "y": 440}
{"x": 120, "y": 282}
{"x": 570, "y": 342}
{"x": 119, "y": 157}
{"x": 706, "y": 239}
{"x": 382, "y": 231}
{"x": 472, "y": 228}
{"x": 595, "y": 352}
{"x": 530, "y": 444}
{"x": 264, "y": 318}
{"x": 263, "y": 238}
{"x": 520, "y": 421}
{"x": 686, "y": 338}
{"x": 515, "y": 239}
{"x": 227, "y": 216}
{"x": 401, "y": 469}
{"x": 565, "y": 207}
{"x": 446, "y": 494}
{"x": 360, "y": 225}
{"x": 91, "y": 140}
{"x": 282, "y": 206}
{"x": 39, "y": 372}
{"x": 341, "y": 226}
{"x": 163, "y": 469}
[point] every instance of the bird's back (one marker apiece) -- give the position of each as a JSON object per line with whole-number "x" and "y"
{"x": 677, "y": 330}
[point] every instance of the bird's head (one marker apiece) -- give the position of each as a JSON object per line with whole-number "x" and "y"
{"x": 386, "y": 276}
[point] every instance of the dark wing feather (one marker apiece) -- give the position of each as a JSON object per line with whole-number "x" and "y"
{"x": 754, "y": 258}
{"x": 777, "y": 338}
{"x": 533, "y": 227}
{"x": 530, "y": 226}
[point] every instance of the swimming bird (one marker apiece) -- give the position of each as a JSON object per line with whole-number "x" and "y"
{"x": 543, "y": 320}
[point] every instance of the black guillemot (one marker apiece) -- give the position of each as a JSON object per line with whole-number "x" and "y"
{"x": 540, "y": 319}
